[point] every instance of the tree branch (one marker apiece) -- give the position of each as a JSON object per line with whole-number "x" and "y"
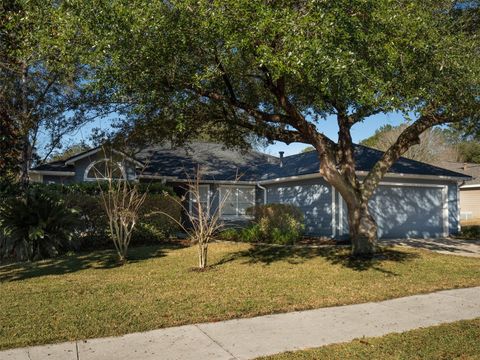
{"x": 410, "y": 136}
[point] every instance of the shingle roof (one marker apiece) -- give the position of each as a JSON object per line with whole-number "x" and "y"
{"x": 365, "y": 159}
{"x": 216, "y": 162}
{"x": 470, "y": 169}
{"x": 219, "y": 163}
{"x": 55, "y": 166}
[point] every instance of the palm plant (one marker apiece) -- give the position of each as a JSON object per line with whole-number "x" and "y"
{"x": 35, "y": 225}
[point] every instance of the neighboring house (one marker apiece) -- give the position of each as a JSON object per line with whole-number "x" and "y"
{"x": 414, "y": 199}
{"x": 469, "y": 190}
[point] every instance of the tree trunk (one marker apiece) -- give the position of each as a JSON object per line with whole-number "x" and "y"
{"x": 24, "y": 177}
{"x": 202, "y": 255}
{"x": 363, "y": 229}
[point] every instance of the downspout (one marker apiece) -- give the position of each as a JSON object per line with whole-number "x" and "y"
{"x": 264, "y": 193}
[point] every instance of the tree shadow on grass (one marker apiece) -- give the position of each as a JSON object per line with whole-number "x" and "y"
{"x": 336, "y": 255}
{"x": 104, "y": 259}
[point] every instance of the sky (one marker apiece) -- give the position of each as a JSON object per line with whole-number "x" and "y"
{"x": 329, "y": 127}
{"x": 359, "y": 132}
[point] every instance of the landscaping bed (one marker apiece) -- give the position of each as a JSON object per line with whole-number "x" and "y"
{"x": 88, "y": 295}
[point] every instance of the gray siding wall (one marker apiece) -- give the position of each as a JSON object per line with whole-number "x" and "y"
{"x": 411, "y": 211}
{"x": 400, "y": 211}
{"x": 80, "y": 167}
{"x": 313, "y": 197}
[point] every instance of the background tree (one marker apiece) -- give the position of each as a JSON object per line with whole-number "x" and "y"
{"x": 41, "y": 78}
{"x": 434, "y": 145}
{"x": 68, "y": 151}
{"x": 279, "y": 69}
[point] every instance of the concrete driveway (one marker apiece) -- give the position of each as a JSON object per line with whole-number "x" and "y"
{"x": 449, "y": 246}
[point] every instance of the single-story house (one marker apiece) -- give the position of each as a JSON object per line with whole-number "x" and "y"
{"x": 469, "y": 189}
{"x": 414, "y": 199}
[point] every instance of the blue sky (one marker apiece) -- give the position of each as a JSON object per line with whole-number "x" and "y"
{"x": 328, "y": 127}
{"x": 360, "y": 131}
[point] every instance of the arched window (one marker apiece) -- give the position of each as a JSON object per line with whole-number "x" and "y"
{"x": 104, "y": 169}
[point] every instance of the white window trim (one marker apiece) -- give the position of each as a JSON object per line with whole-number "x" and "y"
{"x": 221, "y": 193}
{"x": 92, "y": 164}
{"x": 334, "y": 213}
{"x": 190, "y": 199}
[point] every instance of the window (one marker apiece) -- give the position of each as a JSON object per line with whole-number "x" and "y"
{"x": 104, "y": 169}
{"x": 204, "y": 198}
{"x": 236, "y": 200}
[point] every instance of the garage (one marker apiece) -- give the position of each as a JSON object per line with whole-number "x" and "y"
{"x": 410, "y": 210}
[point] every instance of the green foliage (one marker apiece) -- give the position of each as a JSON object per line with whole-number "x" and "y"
{"x": 65, "y": 153}
{"x": 471, "y": 231}
{"x": 308, "y": 149}
{"x": 36, "y": 225}
{"x": 469, "y": 151}
{"x": 251, "y": 233}
{"x": 230, "y": 234}
{"x": 275, "y": 223}
{"x": 372, "y": 56}
{"x": 154, "y": 225}
{"x": 92, "y": 188}
{"x": 91, "y": 231}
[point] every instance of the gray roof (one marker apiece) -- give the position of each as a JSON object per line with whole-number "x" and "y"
{"x": 470, "y": 169}
{"x": 55, "y": 166}
{"x": 216, "y": 162}
{"x": 365, "y": 159}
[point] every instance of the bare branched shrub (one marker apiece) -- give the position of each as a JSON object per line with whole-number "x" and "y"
{"x": 122, "y": 202}
{"x": 204, "y": 219}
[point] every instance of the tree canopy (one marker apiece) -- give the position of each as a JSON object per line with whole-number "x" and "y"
{"x": 42, "y": 73}
{"x": 282, "y": 69}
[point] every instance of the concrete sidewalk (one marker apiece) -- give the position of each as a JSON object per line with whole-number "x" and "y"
{"x": 266, "y": 335}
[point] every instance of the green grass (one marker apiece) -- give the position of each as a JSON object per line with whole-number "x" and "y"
{"x": 458, "y": 340}
{"x": 86, "y": 296}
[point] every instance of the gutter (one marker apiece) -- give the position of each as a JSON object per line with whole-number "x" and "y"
{"x": 47, "y": 172}
{"x": 364, "y": 173}
{"x": 264, "y": 192}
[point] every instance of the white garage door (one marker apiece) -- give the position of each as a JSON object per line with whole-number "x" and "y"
{"x": 419, "y": 211}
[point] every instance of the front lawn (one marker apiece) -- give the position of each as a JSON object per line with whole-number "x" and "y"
{"x": 85, "y": 296}
{"x": 458, "y": 340}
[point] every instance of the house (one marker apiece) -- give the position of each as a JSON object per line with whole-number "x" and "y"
{"x": 469, "y": 190}
{"x": 414, "y": 199}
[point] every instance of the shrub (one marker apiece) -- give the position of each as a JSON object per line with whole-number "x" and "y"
{"x": 230, "y": 235}
{"x": 154, "y": 225}
{"x": 92, "y": 230}
{"x": 35, "y": 225}
{"x": 471, "y": 231}
{"x": 275, "y": 223}
{"x": 252, "y": 233}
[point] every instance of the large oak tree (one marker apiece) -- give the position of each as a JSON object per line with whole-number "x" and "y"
{"x": 281, "y": 69}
